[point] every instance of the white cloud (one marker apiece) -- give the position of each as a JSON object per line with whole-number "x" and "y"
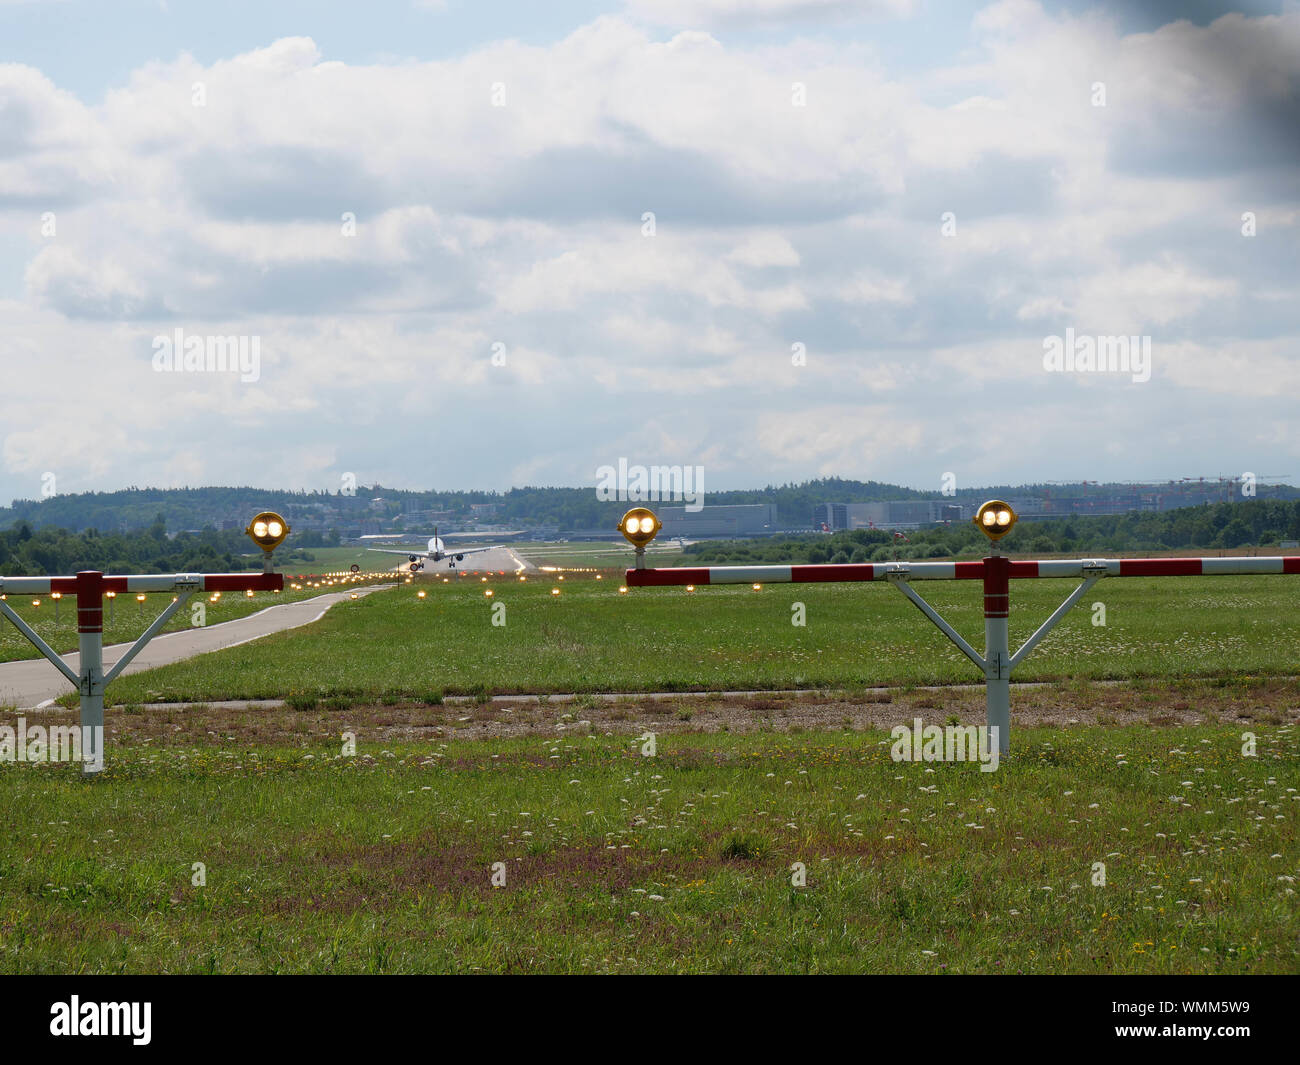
{"x": 761, "y": 12}
{"x": 775, "y": 224}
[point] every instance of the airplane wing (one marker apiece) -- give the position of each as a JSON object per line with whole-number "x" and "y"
{"x": 423, "y": 551}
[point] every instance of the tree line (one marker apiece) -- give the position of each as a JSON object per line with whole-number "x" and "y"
{"x": 28, "y": 552}
{"x": 1222, "y": 526}
{"x": 564, "y": 508}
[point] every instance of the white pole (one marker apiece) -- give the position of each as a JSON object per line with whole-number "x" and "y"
{"x": 997, "y": 680}
{"x": 92, "y": 699}
{"x": 997, "y": 647}
{"x": 90, "y": 641}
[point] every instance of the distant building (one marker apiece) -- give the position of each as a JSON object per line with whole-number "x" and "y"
{"x": 484, "y": 510}
{"x": 893, "y": 514}
{"x": 750, "y": 519}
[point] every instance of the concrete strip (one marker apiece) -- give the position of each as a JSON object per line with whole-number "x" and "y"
{"x": 612, "y": 697}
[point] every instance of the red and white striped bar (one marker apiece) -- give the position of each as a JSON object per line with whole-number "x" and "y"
{"x": 948, "y": 571}
{"x": 253, "y": 580}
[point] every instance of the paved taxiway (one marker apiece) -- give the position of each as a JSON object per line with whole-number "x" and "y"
{"x": 31, "y": 682}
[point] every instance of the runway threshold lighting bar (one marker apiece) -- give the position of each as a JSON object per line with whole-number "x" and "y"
{"x": 995, "y": 519}
{"x": 267, "y": 530}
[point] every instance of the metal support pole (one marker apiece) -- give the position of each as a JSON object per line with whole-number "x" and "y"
{"x": 90, "y": 587}
{"x": 1059, "y": 613}
{"x": 900, "y": 582}
{"x": 36, "y": 641}
{"x": 997, "y": 648}
{"x": 147, "y": 635}
{"x": 90, "y": 638}
{"x": 996, "y": 572}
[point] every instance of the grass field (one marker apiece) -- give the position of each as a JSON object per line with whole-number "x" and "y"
{"x": 598, "y": 555}
{"x": 591, "y": 638}
{"x": 382, "y": 861}
{"x": 317, "y": 856}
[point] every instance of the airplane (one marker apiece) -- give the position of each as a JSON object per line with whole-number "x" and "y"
{"x": 437, "y": 551}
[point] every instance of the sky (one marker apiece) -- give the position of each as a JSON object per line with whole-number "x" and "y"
{"x": 484, "y": 245}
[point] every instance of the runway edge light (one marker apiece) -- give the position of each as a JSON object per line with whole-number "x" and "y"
{"x": 639, "y": 526}
{"x": 268, "y": 531}
{"x": 995, "y": 519}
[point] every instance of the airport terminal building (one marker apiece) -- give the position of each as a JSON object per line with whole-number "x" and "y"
{"x": 741, "y": 520}
{"x": 894, "y": 514}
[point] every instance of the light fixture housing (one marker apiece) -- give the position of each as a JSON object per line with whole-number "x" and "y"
{"x": 267, "y": 530}
{"x": 639, "y": 526}
{"x": 995, "y": 519}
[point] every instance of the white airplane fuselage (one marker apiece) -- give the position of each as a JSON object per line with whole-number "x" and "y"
{"x": 437, "y": 551}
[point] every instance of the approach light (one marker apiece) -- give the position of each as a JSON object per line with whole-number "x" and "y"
{"x": 995, "y": 519}
{"x": 267, "y": 530}
{"x": 622, "y": 589}
{"x": 420, "y": 594}
{"x": 639, "y": 526}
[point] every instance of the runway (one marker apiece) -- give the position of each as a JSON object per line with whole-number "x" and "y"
{"x": 494, "y": 561}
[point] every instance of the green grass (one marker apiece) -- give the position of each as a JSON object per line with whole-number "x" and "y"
{"x": 339, "y": 558}
{"x": 590, "y": 638}
{"x": 381, "y": 862}
{"x": 576, "y": 555}
{"x": 126, "y": 618}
